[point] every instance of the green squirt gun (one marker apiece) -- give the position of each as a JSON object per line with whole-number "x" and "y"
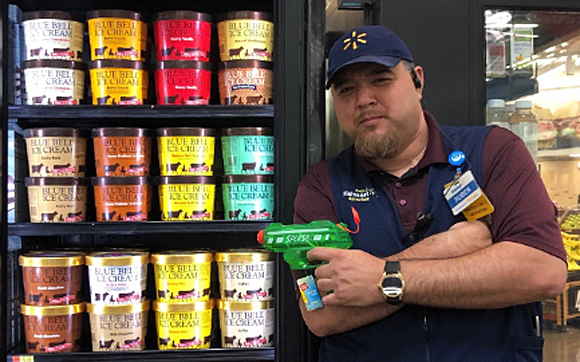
{"x": 297, "y": 239}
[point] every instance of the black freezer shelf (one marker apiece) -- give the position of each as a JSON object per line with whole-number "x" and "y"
{"x": 141, "y": 112}
{"x": 214, "y": 354}
{"x": 134, "y": 228}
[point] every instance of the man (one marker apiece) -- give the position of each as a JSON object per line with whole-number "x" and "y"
{"x": 424, "y": 284}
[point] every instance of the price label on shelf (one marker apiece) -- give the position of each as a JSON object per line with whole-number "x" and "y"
{"x": 22, "y": 358}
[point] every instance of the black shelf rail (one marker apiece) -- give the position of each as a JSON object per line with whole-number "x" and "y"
{"x": 140, "y": 112}
{"x": 214, "y": 354}
{"x": 135, "y": 228}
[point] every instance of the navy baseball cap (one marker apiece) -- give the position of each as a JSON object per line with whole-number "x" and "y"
{"x": 367, "y": 44}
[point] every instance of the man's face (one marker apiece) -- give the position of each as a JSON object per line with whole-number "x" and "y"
{"x": 378, "y": 107}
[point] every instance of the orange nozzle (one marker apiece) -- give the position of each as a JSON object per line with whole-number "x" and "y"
{"x": 261, "y": 237}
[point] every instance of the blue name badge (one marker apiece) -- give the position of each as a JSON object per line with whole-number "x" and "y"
{"x": 462, "y": 192}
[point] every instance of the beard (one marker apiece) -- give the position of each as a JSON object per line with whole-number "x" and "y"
{"x": 385, "y": 146}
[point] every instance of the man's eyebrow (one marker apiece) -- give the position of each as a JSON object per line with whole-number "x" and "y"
{"x": 338, "y": 81}
{"x": 381, "y": 71}
{"x": 341, "y": 79}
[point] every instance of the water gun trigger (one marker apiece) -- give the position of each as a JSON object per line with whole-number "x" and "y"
{"x": 297, "y": 258}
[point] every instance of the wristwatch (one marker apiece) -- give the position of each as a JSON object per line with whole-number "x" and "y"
{"x": 392, "y": 284}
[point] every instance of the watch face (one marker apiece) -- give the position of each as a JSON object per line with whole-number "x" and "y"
{"x": 392, "y": 287}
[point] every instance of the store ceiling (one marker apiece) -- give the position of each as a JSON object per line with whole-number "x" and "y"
{"x": 554, "y": 27}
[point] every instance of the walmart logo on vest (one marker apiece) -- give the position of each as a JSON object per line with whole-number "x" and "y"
{"x": 353, "y": 40}
{"x": 359, "y": 195}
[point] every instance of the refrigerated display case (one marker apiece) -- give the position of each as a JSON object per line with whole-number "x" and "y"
{"x": 547, "y": 54}
{"x": 542, "y": 47}
{"x": 287, "y": 116}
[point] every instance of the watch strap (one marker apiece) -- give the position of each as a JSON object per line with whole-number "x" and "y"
{"x": 393, "y": 270}
{"x": 392, "y": 267}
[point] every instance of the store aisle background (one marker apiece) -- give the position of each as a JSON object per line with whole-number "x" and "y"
{"x": 562, "y": 346}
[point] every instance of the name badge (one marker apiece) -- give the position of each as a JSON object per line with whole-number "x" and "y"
{"x": 480, "y": 208}
{"x": 462, "y": 192}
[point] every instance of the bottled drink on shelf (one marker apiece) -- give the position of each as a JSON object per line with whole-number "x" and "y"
{"x": 510, "y": 109}
{"x": 523, "y": 123}
{"x": 496, "y": 113}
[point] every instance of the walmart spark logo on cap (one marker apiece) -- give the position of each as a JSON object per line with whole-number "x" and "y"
{"x": 353, "y": 41}
{"x": 367, "y": 44}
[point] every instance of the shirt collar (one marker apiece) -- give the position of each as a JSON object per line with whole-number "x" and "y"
{"x": 435, "y": 152}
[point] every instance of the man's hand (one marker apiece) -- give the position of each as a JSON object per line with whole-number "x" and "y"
{"x": 351, "y": 277}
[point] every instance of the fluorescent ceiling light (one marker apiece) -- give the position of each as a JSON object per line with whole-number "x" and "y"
{"x": 521, "y": 35}
{"x": 352, "y": 4}
{"x": 525, "y": 25}
{"x": 499, "y": 19}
